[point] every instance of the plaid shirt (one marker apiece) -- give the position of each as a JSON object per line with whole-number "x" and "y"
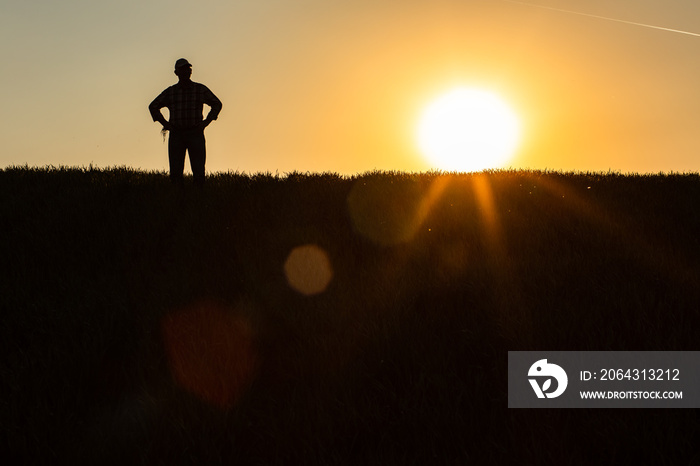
{"x": 185, "y": 104}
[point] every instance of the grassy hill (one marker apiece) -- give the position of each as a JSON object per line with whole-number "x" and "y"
{"x": 319, "y": 319}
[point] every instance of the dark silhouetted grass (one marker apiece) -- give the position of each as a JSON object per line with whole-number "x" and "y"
{"x": 119, "y": 291}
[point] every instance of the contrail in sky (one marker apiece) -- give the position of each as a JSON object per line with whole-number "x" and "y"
{"x": 605, "y": 18}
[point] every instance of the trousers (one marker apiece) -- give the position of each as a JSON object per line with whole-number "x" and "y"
{"x": 192, "y": 141}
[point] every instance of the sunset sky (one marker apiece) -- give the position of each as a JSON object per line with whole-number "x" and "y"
{"x": 340, "y": 85}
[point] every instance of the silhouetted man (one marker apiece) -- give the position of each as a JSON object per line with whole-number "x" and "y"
{"x": 184, "y": 101}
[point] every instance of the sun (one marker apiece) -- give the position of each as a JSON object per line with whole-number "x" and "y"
{"x": 468, "y": 130}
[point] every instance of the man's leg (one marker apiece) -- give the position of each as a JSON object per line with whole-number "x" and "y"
{"x": 176, "y": 154}
{"x": 198, "y": 156}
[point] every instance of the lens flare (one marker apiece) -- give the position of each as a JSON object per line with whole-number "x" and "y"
{"x": 211, "y": 352}
{"x": 308, "y": 269}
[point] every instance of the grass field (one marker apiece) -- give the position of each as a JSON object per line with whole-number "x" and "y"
{"x": 319, "y": 319}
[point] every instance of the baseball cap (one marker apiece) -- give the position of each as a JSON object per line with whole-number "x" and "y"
{"x": 181, "y": 62}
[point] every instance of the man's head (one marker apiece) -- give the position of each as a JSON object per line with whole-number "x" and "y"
{"x": 183, "y": 68}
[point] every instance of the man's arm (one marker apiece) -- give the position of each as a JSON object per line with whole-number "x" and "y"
{"x": 213, "y": 102}
{"x": 155, "y": 106}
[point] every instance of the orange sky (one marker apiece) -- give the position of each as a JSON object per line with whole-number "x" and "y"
{"x": 339, "y": 86}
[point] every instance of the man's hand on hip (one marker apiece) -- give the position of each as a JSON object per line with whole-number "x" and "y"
{"x": 166, "y": 124}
